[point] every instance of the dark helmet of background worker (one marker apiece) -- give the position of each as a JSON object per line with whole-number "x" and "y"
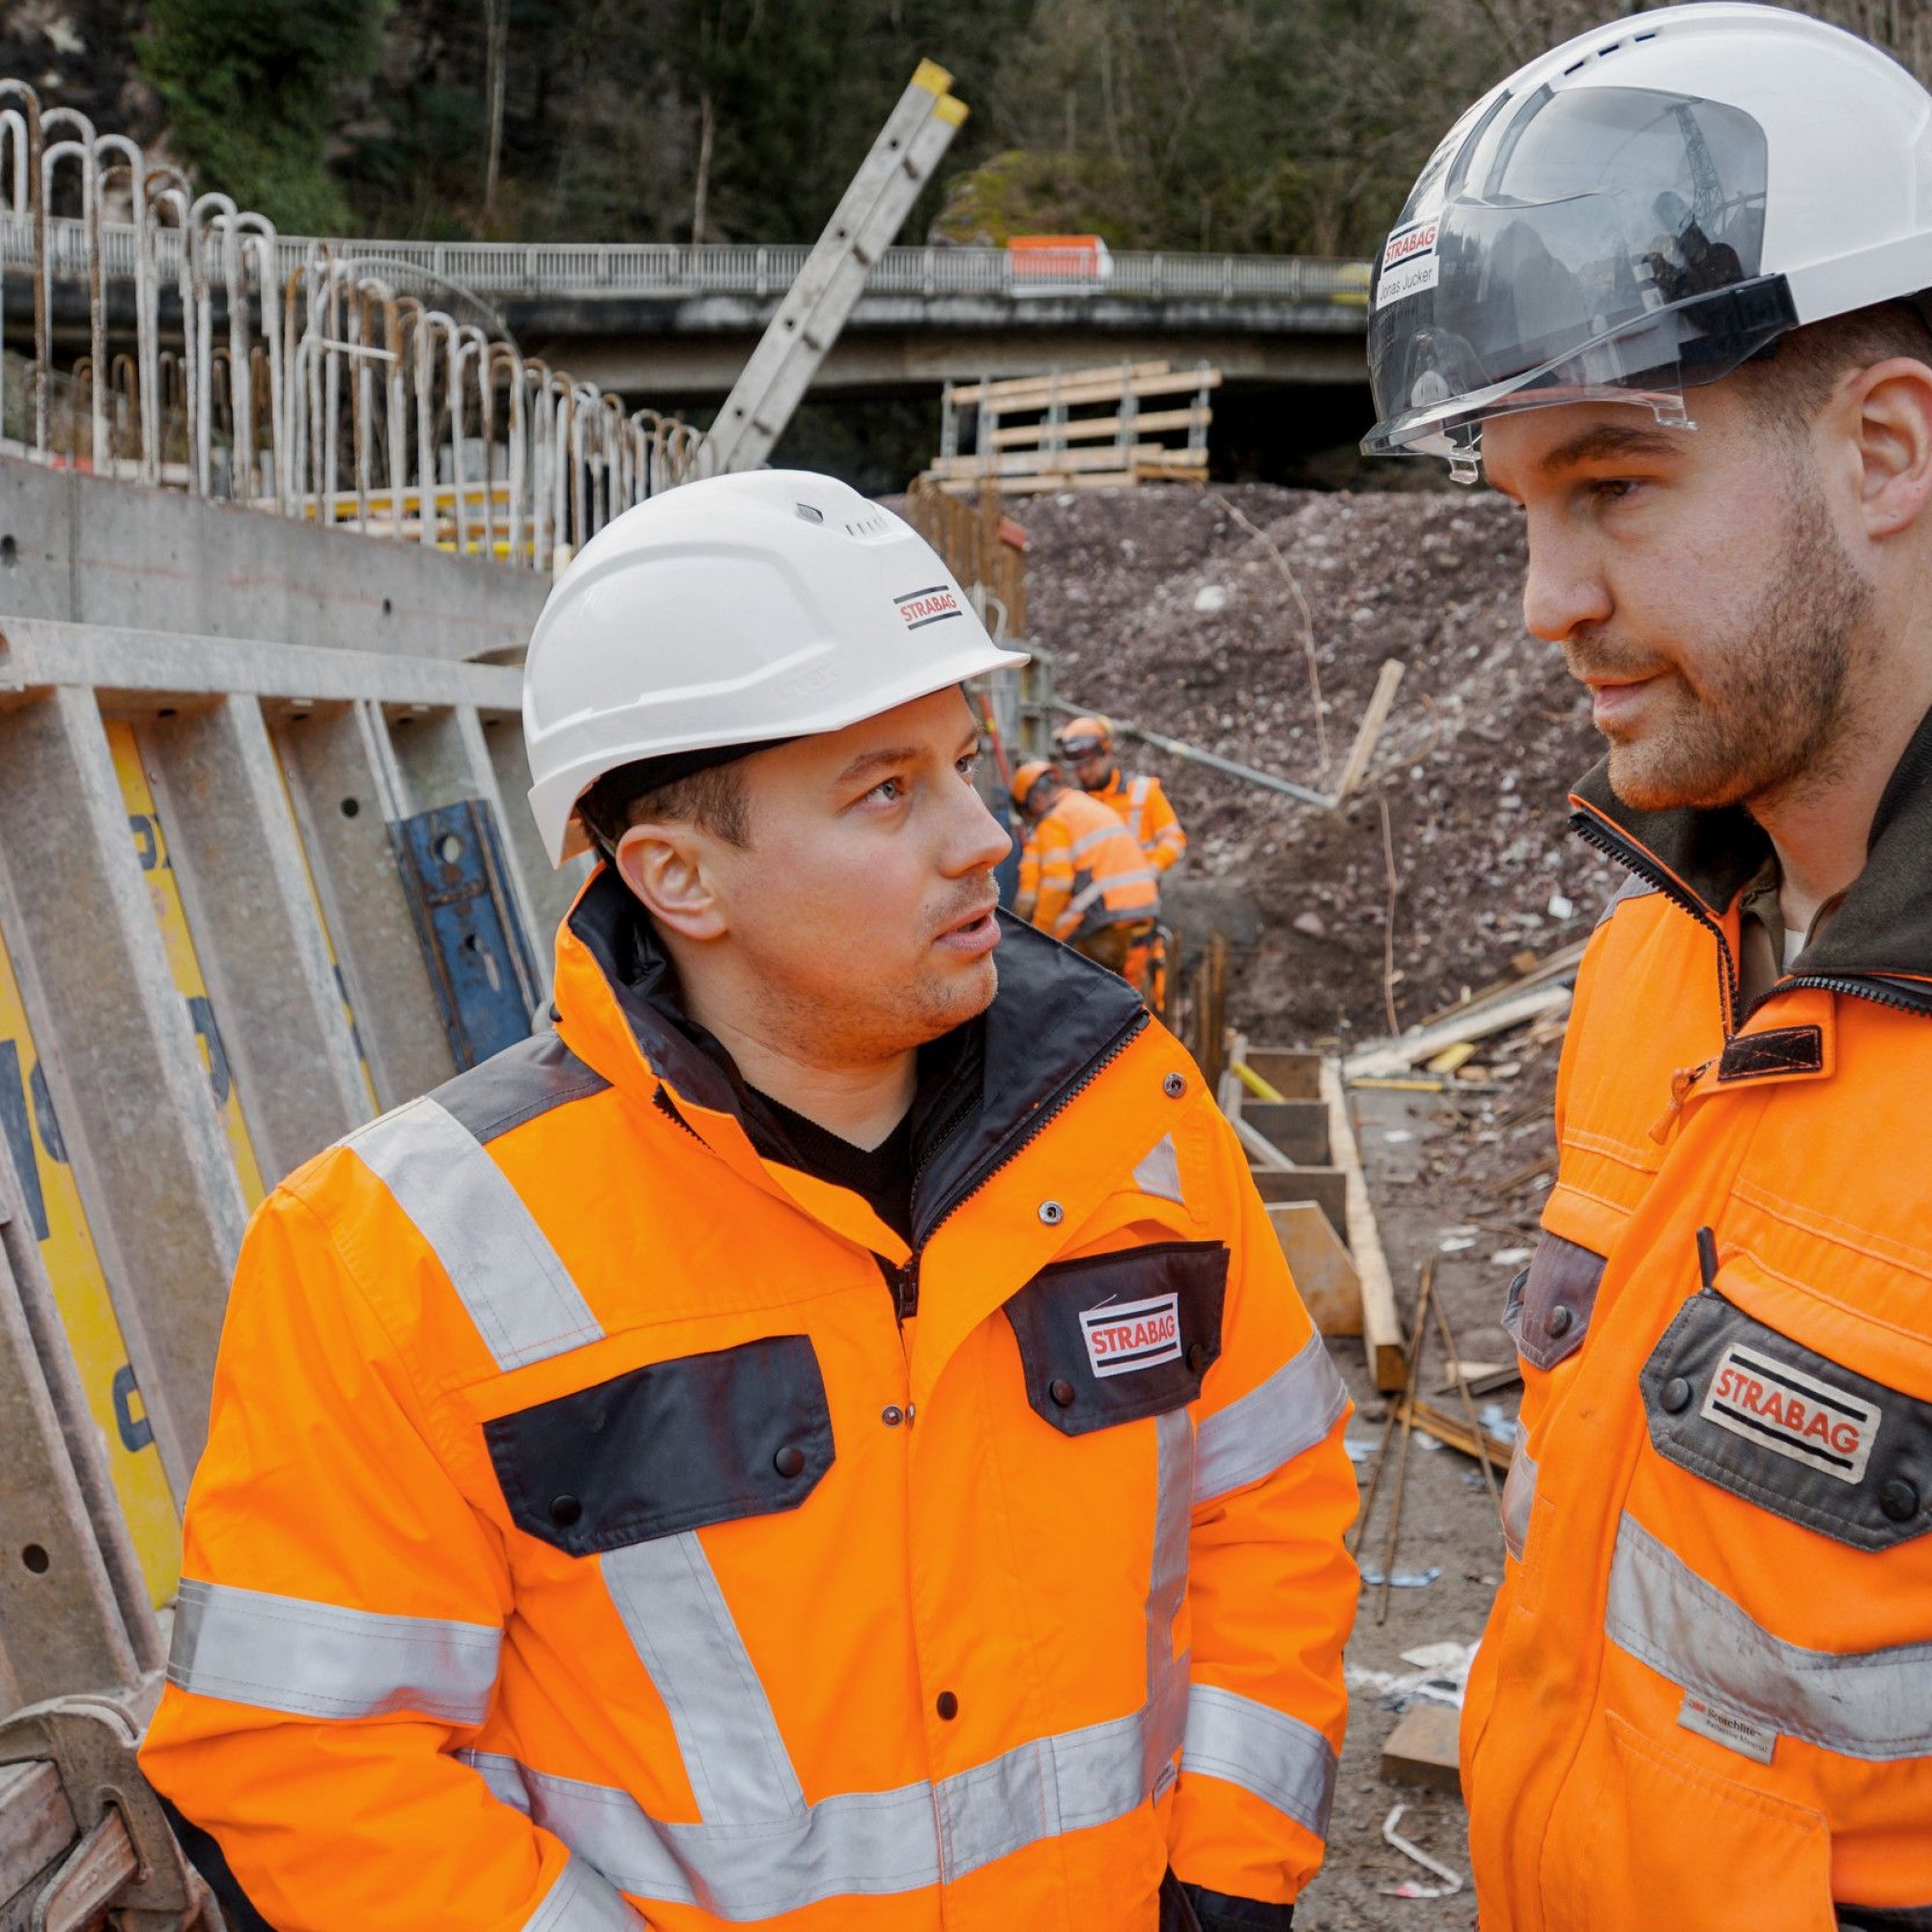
{"x": 740, "y": 612}
{"x": 1086, "y": 748}
{"x": 1037, "y": 784}
{"x": 1638, "y": 212}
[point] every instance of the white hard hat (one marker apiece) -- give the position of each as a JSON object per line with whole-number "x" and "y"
{"x": 1640, "y": 210}
{"x": 735, "y": 611}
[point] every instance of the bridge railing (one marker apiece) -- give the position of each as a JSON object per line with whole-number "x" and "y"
{"x": 676, "y": 271}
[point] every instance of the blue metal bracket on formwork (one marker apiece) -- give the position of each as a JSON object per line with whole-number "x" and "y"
{"x": 451, "y": 863}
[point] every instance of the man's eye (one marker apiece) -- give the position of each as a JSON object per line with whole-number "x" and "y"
{"x": 969, "y": 767}
{"x": 1612, "y": 489}
{"x": 889, "y": 790}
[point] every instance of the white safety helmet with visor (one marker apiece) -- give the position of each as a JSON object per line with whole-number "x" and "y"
{"x": 1641, "y": 211}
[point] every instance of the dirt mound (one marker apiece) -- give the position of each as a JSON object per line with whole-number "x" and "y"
{"x": 1160, "y": 606}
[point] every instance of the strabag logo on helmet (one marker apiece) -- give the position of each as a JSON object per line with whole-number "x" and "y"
{"x": 1123, "y": 1336}
{"x": 1791, "y": 1413}
{"x": 1410, "y": 262}
{"x": 931, "y": 605}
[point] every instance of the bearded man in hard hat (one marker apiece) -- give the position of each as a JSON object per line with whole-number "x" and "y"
{"x": 823, "y": 1438}
{"x": 1082, "y": 876}
{"x": 1666, "y": 288}
{"x": 1085, "y": 747}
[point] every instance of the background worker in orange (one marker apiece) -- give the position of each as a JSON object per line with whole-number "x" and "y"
{"x": 825, "y": 1439}
{"x": 1082, "y": 877}
{"x": 1666, "y": 288}
{"x": 1086, "y": 749}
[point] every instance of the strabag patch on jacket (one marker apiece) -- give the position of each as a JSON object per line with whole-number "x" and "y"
{"x": 1788, "y": 1429}
{"x": 1114, "y": 1338}
{"x": 670, "y": 1446}
{"x": 1551, "y": 1302}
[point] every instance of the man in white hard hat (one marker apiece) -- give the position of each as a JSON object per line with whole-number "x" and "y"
{"x": 1666, "y": 288}
{"x": 826, "y": 1437}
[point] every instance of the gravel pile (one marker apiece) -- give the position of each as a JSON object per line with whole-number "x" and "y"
{"x": 1160, "y": 606}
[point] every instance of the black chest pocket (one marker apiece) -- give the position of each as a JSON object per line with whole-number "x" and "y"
{"x": 1114, "y": 1338}
{"x": 1788, "y": 1429}
{"x": 667, "y": 1447}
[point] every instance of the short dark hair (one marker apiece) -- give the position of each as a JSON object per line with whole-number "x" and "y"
{"x": 1790, "y": 382}
{"x": 714, "y": 800}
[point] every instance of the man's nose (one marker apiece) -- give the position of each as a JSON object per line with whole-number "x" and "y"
{"x": 1563, "y": 588}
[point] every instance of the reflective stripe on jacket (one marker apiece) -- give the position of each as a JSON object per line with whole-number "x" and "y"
{"x": 583, "y": 1543}
{"x": 1149, "y": 814}
{"x": 1080, "y": 870}
{"x": 1705, "y": 1695}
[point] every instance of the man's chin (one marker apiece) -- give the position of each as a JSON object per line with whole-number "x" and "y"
{"x": 1645, "y": 782}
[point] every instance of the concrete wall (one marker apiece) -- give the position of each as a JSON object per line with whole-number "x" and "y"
{"x": 82, "y": 550}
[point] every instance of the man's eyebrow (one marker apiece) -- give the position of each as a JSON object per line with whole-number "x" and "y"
{"x": 1606, "y": 440}
{"x": 880, "y": 760}
{"x": 900, "y": 755}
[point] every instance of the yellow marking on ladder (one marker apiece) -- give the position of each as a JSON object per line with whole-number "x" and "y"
{"x": 80, "y": 1293}
{"x": 144, "y": 821}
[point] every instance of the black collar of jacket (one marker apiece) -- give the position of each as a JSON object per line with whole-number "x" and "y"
{"x": 982, "y": 1087}
{"x": 1884, "y": 925}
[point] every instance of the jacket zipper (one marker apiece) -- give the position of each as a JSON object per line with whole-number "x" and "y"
{"x": 905, "y": 1286}
{"x": 1633, "y": 859}
{"x": 1630, "y": 857}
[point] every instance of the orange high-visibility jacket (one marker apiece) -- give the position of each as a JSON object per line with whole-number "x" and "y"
{"x": 1149, "y": 814}
{"x": 1705, "y": 1696}
{"x": 1080, "y": 869}
{"x": 604, "y": 1523}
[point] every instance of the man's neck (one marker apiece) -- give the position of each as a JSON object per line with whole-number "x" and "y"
{"x": 1821, "y": 828}
{"x": 860, "y": 1103}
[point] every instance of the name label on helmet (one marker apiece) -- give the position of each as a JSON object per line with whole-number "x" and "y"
{"x": 1785, "y": 1410}
{"x": 1410, "y": 262}
{"x": 1123, "y": 1336}
{"x": 931, "y": 605}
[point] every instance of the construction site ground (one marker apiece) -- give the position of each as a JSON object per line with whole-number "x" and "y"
{"x": 1163, "y": 606}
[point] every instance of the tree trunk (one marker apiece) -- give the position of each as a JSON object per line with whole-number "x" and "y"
{"x": 707, "y": 128}
{"x": 496, "y": 47}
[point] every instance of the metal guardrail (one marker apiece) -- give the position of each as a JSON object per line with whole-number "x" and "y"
{"x": 675, "y": 270}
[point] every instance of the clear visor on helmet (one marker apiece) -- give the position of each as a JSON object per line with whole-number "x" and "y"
{"x": 1601, "y": 244}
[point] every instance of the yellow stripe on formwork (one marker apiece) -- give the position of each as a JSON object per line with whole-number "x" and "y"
{"x": 328, "y": 941}
{"x": 80, "y": 1292}
{"x": 144, "y": 821}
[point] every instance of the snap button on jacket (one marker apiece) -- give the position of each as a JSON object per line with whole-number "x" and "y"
{"x": 1705, "y": 1695}
{"x": 550, "y": 1567}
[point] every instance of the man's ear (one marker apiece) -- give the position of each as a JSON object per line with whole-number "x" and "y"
{"x": 669, "y": 868}
{"x": 1893, "y": 425}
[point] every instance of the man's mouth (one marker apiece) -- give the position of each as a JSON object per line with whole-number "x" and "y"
{"x": 972, "y": 932}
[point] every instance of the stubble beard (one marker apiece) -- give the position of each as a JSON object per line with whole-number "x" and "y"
{"x": 1774, "y": 714}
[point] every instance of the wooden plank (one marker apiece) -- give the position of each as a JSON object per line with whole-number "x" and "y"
{"x": 1454, "y": 1430}
{"x": 1422, "y": 1749}
{"x": 1382, "y": 1326}
{"x": 1474, "y": 1022}
{"x": 1299, "y": 1129}
{"x": 1292, "y": 1072}
{"x": 37, "y": 1824}
{"x": 1373, "y": 720}
{"x": 1091, "y": 429}
{"x": 1000, "y": 393}
{"x": 1326, "y": 1277}
{"x": 1100, "y": 386}
{"x": 1040, "y": 485}
{"x": 1325, "y": 1186}
{"x": 1037, "y": 461}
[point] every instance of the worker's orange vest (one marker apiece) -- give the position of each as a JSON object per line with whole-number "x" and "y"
{"x": 606, "y": 1523}
{"x": 1704, "y": 1701}
{"x": 1143, "y": 808}
{"x": 1081, "y": 869}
